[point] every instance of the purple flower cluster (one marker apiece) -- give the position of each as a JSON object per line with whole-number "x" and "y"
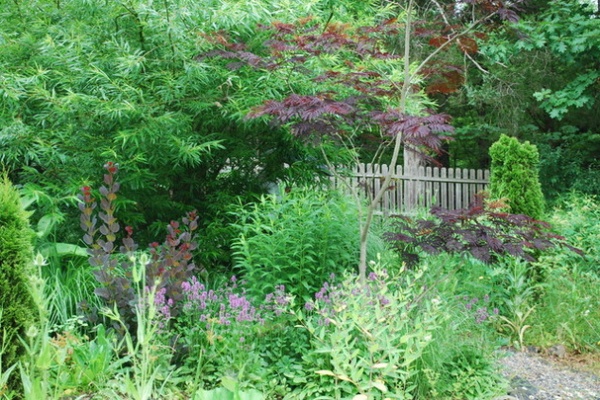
{"x": 277, "y": 301}
{"x": 481, "y": 312}
{"x": 222, "y": 306}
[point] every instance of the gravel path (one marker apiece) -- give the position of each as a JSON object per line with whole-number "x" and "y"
{"x": 534, "y": 377}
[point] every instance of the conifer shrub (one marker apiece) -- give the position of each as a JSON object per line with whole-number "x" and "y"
{"x": 16, "y": 256}
{"x": 515, "y": 177}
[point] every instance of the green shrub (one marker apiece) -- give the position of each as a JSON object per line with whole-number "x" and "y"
{"x": 396, "y": 337}
{"x": 514, "y": 176}
{"x": 19, "y": 311}
{"x": 297, "y": 240}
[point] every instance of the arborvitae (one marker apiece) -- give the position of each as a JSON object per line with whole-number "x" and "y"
{"x": 514, "y": 176}
{"x": 16, "y": 255}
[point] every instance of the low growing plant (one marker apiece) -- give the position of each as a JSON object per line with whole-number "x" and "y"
{"x": 44, "y": 368}
{"x": 519, "y": 287}
{"x": 459, "y": 363}
{"x": 148, "y": 360}
{"x": 568, "y": 309}
{"x": 368, "y": 340}
{"x": 577, "y": 218}
{"x": 223, "y": 336}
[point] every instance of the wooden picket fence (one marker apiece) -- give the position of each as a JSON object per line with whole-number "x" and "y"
{"x": 451, "y": 188}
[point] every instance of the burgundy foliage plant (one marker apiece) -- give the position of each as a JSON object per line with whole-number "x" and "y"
{"x": 482, "y": 232}
{"x": 170, "y": 264}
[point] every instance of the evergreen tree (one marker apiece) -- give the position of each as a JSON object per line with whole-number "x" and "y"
{"x": 514, "y": 176}
{"x": 16, "y": 255}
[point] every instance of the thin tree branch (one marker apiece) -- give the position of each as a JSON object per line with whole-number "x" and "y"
{"x": 443, "y": 14}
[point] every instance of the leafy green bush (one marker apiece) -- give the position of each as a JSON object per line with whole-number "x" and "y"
{"x": 395, "y": 337}
{"x": 514, "y": 176}
{"x": 17, "y": 306}
{"x": 297, "y": 239}
{"x": 367, "y": 339}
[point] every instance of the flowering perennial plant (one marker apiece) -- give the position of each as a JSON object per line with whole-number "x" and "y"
{"x": 221, "y": 331}
{"x": 481, "y": 312}
{"x": 222, "y": 306}
{"x": 368, "y": 338}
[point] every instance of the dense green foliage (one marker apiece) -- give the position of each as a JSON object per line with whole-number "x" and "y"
{"x": 572, "y": 282}
{"x": 18, "y": 311}
{"x": 535, "y": 82}
{"x": 444, "y": 319}
{"x": 177, "y": 92}
{"x": 514, "y": 176}
{"x": 297, "y": 239}
{"x": 82, "y": 82}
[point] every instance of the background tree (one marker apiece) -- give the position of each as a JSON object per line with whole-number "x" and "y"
{"x": 537, "y": 82}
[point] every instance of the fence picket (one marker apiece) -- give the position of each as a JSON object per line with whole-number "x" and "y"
{"x": 450, "y": 188}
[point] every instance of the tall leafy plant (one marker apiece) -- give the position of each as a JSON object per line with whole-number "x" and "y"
{"x": 18, "y": 310}
{"x": 297, "y": 240}
{"x": 514, "y": 176}
{"x": 168, "y": 266}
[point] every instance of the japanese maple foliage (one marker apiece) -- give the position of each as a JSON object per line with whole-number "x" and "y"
{"x": 356, "y": 81}
{"x": 345, "y": 81}
{"x": 353, "y": 95}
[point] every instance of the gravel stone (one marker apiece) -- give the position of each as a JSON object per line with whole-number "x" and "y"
{"x": 533, "y": 377}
